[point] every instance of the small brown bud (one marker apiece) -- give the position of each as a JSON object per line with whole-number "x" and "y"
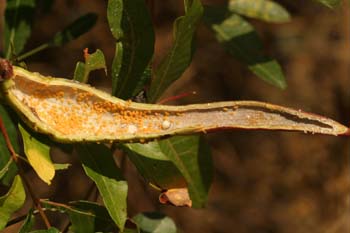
{"x": 6, "y": 70}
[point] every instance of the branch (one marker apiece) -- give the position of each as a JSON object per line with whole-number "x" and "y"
{"x": 22, "y": 175}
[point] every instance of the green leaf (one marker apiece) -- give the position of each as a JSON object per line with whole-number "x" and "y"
{"x": 115, "y": 18}
{"x": 266, "y": 10}
{"x": 99, "y": 165}
{"x": 61, "y": 166}
{"x": 128, "y": 230}
{"x": 79, "y": 72}
{"x": 191, "y": 155}
{"x": 241, "y": 41}
{"x": 81, "y": 223}
{"x": 330, "y": 3}
{"x": 117, "y": 65}
{"x": 180, "y": 55}
{"x": 145, "y": 80}
{"x": 50, "y": 230}
{"x": 11, "y": 201}
{"x": 94, "y": 215}
{"x": 38, "y": 154}
{"x": 80, "y": 26}
{"x": 131, "y": 25}
{"x": 7, "y": 167}
{"x": 154, "y": 166}
{"x": 153, "y": 222}
{"x": 28, "y": 222}
{"x": 18, "y": 20}
{"x": 102, "y": 220}
{"x": 93, "y": 61}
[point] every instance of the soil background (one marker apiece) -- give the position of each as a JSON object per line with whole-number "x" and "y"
{"x": 266, "y": 182}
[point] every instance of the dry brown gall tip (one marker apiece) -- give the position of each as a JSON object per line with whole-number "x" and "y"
{"x": 347, "y": 133}
{"x": 6, "y": 70}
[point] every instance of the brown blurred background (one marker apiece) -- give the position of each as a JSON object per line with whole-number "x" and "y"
{"x": 266, "y": 182}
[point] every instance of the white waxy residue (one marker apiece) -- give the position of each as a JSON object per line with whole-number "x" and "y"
{"x": 132, "y": 129}
{"x": 166, "y": 124}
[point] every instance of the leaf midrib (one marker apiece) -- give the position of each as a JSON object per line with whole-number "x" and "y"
{"x": 105, "y": 186}
{"x": 183, "y": 170}
{"x": 132, "y": 54}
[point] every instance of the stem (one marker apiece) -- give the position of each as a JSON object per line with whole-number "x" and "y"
{"x": 16, "y": 220}
{"x": 57, "y": 204}
{"x": 90, "y": 196}
{"x": 347, "y": 133}
{"x": 22, "y": 175}
{"x": 66, "y": 223}
{"x": 8, "y": 142}
{"x": 176, "y": 97}
{"x": 33, "y": 51}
